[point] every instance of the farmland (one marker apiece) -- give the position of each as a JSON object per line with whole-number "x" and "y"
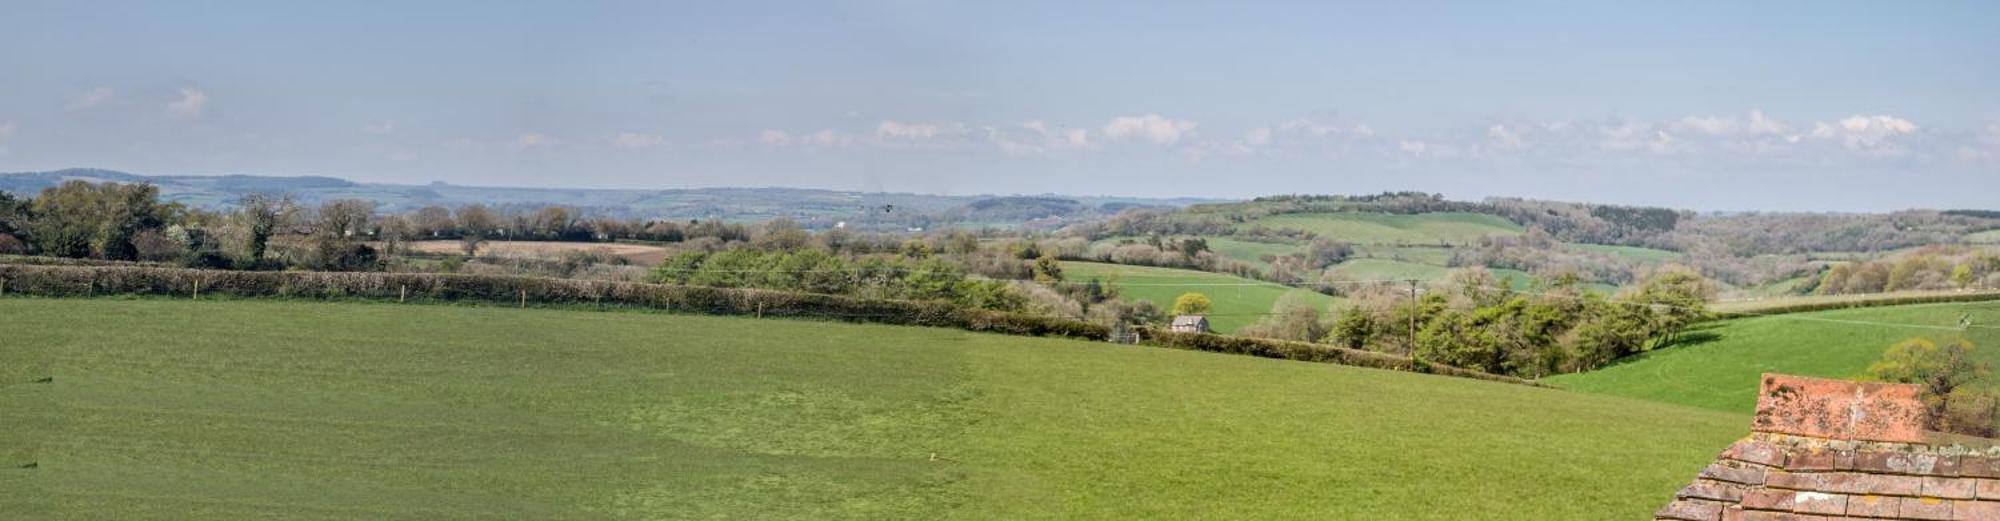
{"x": 1717, "y": 366}
{"x": 1383, "y": 228}
{"x": 636, "y": 253}
{"x": 1238, "y": 301}
{"x": 261, "y": 409}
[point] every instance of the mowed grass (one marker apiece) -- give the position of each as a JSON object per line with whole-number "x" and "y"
{"x": 1717, "y": 368}
{"x": 1383, "y": 228}
{"x": 1238, "y": 301}
{"x": 302, "y": 410}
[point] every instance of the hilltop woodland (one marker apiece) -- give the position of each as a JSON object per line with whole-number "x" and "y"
{"x": 1564, "y": 321}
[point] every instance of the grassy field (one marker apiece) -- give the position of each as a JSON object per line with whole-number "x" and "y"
{"x": 1382, "y": 228}
{"x": 1250, "y": 252}
{"x": 1630, "y": 252}
{"x": 301, "y": 410}
{"x": 637, "y": 253}
{"x": 1985, "y": 237}
{"x": 1383, "y": 269}
{"x": 1718, "y": 367}
{"x": 1236, "y": 304}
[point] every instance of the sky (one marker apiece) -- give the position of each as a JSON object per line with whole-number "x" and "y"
{"x": 1844, "y": 106}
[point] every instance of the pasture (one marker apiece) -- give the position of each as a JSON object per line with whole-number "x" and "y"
{"x": 1384, "y": 228}
{"x": 1238, "y": 301}
{"x": 277, "y": 409}
{"x": 641, "y": 254}
{"x": 1718, "y": 364}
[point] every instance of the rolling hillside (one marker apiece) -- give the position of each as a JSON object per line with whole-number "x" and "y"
{"x": 1238, "y": 301}
{"x": 1384, "y": 228}
{"x": 1717, "y": 368}
{"x": 262, "y": 409}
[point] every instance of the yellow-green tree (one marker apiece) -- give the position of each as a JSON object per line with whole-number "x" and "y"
{"x": 1192, "y": 304}
{"x": 1940, "y": 369}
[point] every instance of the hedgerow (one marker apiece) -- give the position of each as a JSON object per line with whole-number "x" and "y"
{"x": 1308, "y": 352}
{"x": 62, "y": 281}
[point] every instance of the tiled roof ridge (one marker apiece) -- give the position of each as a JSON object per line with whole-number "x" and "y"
{"x": 1826, "y": 449}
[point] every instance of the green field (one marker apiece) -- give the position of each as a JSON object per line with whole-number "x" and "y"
{"x": 1985, "y": 237}
{"x": 270, "y": 409}
{"x": 1384, "y": 270}
{"x": 1238, "y": 301}
{"x": 1251, "y": 252}
{"x": 1383, "y": 228}
{"x": 1718, "y": 368}
{"x": 1630, "y": 252}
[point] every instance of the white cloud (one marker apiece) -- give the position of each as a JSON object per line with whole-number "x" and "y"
{"x": 774, "y": 138}
{"x": 1503, "y": 138}
{"x": 1036, "y": 137}
{"x": 1150, "y": 127}
{"x": 6, "y": 132}
{"x": 635, "y": 140}
{"x": 1634, "y": 136}
{"x": 89, "y": 98}
{"x": 380, "y": 128}
{"x": 191, "y": 103}
{"x": 896, "y": 130}
{"x": 1869, "y": 135}
{"x": 531, "y": 140}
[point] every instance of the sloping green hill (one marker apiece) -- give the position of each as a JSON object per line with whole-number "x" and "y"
{"x": 261, "y": 409}
{"x": 1238, "y": 301}
{"x": 1717, "y": 368}
{"x": 1384, "y": 228}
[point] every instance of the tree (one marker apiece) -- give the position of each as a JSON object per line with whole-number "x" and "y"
{"x": 397, "y": 232}
{"x": 433, "y": 222}
{"x": 1678, "y": 297}
{"x": 477, "y": 220}
{"x": 1047, "y": 269}
{"x": 471, "y": 242}
{"x": 83, "y": 219}
{"x": 344, "y": 218}
{"x": 1192, "y": 304}
{"x": 1939, "y": 369}
{"x": 261, "y": 215}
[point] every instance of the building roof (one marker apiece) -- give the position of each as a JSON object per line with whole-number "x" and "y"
{"x": 1189, "y": 320}
{"x": 1829, "y": 449}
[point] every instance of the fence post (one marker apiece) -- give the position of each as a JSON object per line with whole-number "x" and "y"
{"x": 760, "y": 309}
{"x": 197, "y": 288}
{"x": 403, "y": 294}
{"x": 524, "y": 298}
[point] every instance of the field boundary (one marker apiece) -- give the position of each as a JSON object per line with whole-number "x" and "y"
{"x": 522, "y": 291}
{"x": 1861, "y": 301}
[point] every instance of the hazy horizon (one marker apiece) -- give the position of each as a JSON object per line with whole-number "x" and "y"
{"x": 1715, "y": 106}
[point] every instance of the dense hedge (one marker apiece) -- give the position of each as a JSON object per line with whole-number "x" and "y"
{"x": 503, "y": 289}
{"x": 1892, "y": 300}
{"x": 1308, "y": 352}
{"x": 38, "y": 260}
{"x": 66, "y": 281}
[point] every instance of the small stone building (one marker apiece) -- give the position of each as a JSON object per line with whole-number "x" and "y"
{"x": 1189, "y": 324}
{"x": 1829, "y": 449}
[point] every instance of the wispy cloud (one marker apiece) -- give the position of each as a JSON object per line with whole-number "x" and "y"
{"x": 636, "y": 140}
{"x": 1150, "y": 127}
{"x": 88, "y": 99}
{"x": 191, "y": 103}
{"x": 380, "y": 128}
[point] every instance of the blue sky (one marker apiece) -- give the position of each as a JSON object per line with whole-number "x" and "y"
{"x": 1738, "y": 105}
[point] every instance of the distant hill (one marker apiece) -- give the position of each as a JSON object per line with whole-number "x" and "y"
{"x": 811, "y": 207}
